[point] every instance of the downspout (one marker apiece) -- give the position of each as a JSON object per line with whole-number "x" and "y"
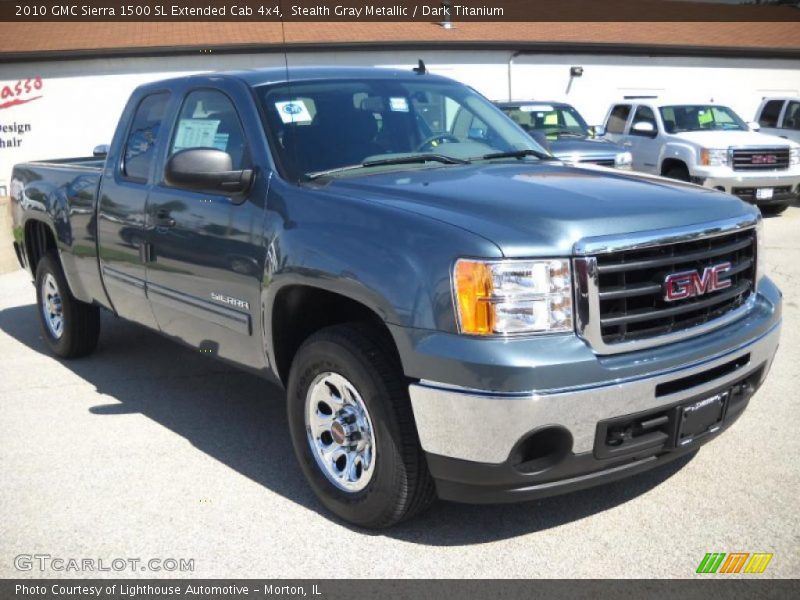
{"x": 511, "y": 64}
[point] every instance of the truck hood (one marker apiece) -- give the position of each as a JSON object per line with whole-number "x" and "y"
{"x": 542, "y": 209}
{"x": 725, "y": 139}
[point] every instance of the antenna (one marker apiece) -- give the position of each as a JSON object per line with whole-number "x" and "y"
{"x": 420, "y": 69}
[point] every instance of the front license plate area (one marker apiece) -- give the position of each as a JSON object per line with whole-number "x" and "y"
{"x": 764, "y": 194}
{"x": 701, "y": 418}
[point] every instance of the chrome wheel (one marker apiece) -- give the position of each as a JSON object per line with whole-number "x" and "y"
{"x": 52, "y": 307}
{"x": 340, "y": 432}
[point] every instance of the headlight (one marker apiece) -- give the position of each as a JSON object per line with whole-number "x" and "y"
{"x": 714, "y": 157}
{"x": 760, "y": 263}
{"x": 508, "y": 297}
{"x": 623, "y": 160}
{"x": 794, "y": 156}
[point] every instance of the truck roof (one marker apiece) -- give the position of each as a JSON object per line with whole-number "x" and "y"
{"x": 256, "y": 77}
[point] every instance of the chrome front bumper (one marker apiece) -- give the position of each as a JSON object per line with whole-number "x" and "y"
{"x": 483, "y": 426}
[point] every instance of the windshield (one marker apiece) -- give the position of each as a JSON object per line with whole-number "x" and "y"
{"x": 321, "y": 126}
{"x": 553, "y": 121}
{"x": 699, "y": 117}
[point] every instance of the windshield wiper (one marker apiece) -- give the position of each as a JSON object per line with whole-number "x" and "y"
{"x": 519, "y": 154}
{"x": 398, "y": 160}
{"x": 415, "y": 158}
{"x": 567, "y": 132}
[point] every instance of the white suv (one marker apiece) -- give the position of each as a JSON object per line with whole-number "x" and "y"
{"x": 710, "y": 145}
{"x": 781, "y": 117}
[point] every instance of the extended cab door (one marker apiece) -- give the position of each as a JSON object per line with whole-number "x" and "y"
{"x": 122, "y": 201}
{"x": 616, "y": 123}
{"x": 206, "y": 251}
{"x": 790, "y": 121}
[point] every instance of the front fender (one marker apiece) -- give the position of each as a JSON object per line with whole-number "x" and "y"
{"x": 395, "y": 262}
{"x": 686, "y": 153}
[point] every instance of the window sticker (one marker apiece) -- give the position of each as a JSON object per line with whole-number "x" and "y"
{"x": 196, "y": 133}
{"x": 293, "y": 111}
{"x": 398, "y": 104}
{"x": 536, "y": 108}
{"x": 221, "y": 141}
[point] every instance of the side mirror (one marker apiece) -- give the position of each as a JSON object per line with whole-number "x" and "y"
{"x": 476, "y": 133}
{"x": 206, "y": 169}
{"x": 644, "y": 128}
{"x": 754, "y": 126}
{"x": 597, "y": 130}
{"x": 100, "y": 151}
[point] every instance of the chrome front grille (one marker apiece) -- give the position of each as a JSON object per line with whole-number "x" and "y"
{"x": 760, "y": 159}
{"x": 603, "y": 162}
{"x": 621, "y": 295}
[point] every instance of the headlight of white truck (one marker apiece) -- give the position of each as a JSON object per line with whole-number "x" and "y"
{"x": 794, "y": 156}
{"x": 714, "y": 157}
{"x": 623, "y": 160}
{"x": 512, "y": 297}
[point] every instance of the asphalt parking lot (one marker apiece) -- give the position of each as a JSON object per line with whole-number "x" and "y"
{"x": 150, "y": 450}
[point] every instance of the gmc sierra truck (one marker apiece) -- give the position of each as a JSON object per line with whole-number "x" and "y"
{"x": 451, "y": 314}
{"x": 561, "y": 129}
{"x": 710, "y": 145}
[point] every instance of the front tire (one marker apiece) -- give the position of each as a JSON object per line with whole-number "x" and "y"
{"x": 678, "y": 172}
{"x": 70, "y": 327}
{"x": 353, "y": 430}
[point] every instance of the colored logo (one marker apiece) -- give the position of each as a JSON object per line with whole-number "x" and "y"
{"x": 764, "y": 159}
{"x": 292, "y": 109}
{"x": 687, "y": 284}
{"x": 21, "y": 92}
{"x": 734, "y": 562}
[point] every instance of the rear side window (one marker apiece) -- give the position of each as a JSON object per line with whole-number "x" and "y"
{"x": 208, "y": 119}
{"x": 618, "y": 118}
{"x": 140, "y": 147}
{"x": 791, "y": 119}
{"x": 770, "y": 113}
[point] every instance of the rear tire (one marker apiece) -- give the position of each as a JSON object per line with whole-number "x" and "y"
{"x": 70, "y": 327}
{"x": 393, "y": 483}
{"x": 678, "y": 172}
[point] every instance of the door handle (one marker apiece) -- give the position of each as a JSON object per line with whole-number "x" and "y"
{"x": 163, "y": 218}
{"x": 627, "y": 144}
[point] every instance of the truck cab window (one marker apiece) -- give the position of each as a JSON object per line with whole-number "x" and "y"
{"x": 644, "y": 114}
{"x": 208, "y": 119}
{"x": 618, "y": 118}
{"x": 770, "y": 113}
{"x": 791, "y": 120}
{"x": 143, "y": 136}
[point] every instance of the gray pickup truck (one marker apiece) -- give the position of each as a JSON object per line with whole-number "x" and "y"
{"x": 452, "y": 313}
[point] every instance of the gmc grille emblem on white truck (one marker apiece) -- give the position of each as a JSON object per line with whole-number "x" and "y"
{"x": 764, "y": 159}
{"x": 688, "y": 284}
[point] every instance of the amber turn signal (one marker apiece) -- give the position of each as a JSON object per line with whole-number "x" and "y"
{"x": 474, "y": 287}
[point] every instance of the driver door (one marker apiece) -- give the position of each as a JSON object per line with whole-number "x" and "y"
{"x": 206, "y": 254}
{"x": 645, "y": 147}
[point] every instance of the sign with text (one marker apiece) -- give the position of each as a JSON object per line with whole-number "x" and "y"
{"x": 394, "y": 10}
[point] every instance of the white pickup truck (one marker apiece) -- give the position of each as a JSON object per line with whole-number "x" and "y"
{"x": 710, "y": 145}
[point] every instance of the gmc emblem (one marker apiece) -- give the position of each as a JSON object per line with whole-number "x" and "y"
{"x": 764, "y": 159}
{"x": 687, "y": 284}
